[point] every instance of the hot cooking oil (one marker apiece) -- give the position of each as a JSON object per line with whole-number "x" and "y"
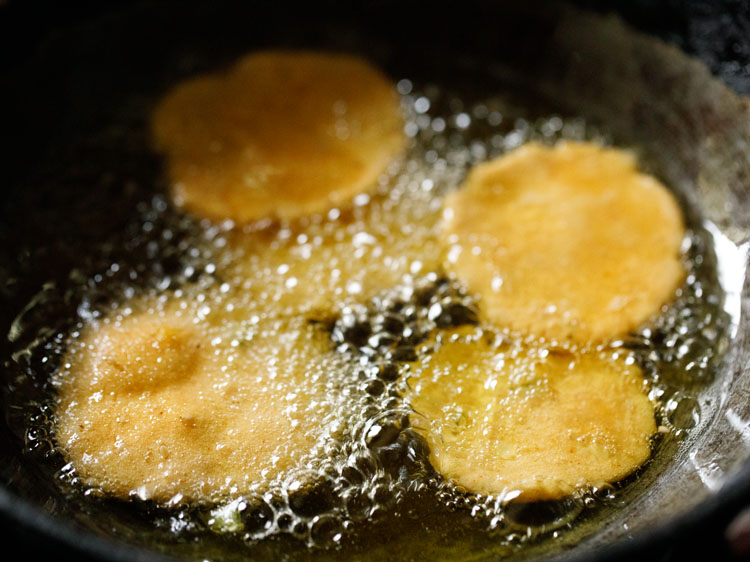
{"x": 369, "y": 277}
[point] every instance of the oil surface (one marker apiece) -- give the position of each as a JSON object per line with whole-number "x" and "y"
{"x": 369, "y": 276}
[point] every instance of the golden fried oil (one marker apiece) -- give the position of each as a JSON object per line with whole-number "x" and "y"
{"x": 370, "y": 277}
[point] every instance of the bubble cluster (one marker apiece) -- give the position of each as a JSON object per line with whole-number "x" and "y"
{"x": 681, "y": 349}
{"x": 396, "y": 321}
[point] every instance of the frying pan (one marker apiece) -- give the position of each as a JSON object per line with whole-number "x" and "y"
{"x": 693, "y": 129}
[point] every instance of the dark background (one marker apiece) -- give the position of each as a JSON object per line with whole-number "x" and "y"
{"x": 716, "y": 31}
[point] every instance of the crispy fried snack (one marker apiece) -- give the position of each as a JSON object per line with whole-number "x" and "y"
{"x": 281, "y": 134}
{"x": 317, "y": 270}
{"x": 529, "y": 422}
{"x": 570, "y": 243}
{"x": 165, "y": 406}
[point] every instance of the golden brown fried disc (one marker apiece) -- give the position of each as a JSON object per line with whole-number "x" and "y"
{"x": 316, "y": 270}
{"x": 280, "y": 134}
{"x": 570, "y": 242}
{"x": 166, "y": 406}
{"x": 529, "y": 422}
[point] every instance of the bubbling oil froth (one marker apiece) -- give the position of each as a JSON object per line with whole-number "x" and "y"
{"x": 375, "y": 460}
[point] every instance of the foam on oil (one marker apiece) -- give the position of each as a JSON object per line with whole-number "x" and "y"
{"x": 368, "y": 276}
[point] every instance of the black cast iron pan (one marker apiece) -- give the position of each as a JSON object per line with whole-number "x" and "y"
{"x": 78, "y": 68}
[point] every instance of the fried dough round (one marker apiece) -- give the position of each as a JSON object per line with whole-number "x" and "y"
{"x": 570, "y": 242}
{"x": 529, "y": 422}
{"x": 281, "y": 134}
{"x": 317, "y": 270}
{"x": 170, "y": 407}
